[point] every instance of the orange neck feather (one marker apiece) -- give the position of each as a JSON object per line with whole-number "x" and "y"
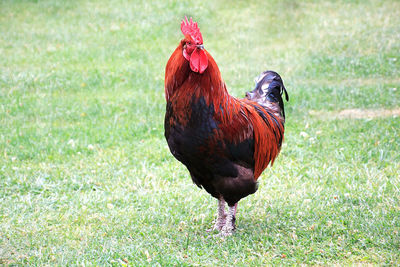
{"x": 181, "y": 80}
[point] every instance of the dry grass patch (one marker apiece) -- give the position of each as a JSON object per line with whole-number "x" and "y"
{"x": 353, "y": 82}
{"x": 356, "y": 113}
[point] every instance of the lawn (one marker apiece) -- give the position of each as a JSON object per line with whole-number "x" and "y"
{"x": 86, "y": 177}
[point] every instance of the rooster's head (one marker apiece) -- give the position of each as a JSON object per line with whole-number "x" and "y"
{"x": 193, "y": 49}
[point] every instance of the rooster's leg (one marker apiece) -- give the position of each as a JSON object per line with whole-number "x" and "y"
{"x": 220, "y": 222}
{"x": 229, "y": 226}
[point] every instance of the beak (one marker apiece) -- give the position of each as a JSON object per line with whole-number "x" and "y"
{"x": 200, "y": 46}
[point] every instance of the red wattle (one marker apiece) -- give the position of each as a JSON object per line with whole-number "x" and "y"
{"x": 186, "y": 55}
{"x": 198, "y": 60}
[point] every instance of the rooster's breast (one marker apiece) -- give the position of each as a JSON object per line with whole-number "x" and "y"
{"x": 190, "y": 129}
{"x": 199, "y": 140}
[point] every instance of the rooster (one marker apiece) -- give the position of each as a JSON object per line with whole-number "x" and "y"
{"x": 224, "y": 142}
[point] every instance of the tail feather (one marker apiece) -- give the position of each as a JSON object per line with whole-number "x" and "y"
{"x": 269, "y": 90}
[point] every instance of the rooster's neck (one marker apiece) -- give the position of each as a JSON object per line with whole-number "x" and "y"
{"x": 181, "y": 81}
{"x": 176, "y": 72}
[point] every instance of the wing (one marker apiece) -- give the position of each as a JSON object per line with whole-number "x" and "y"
{"x": 251, "y": 136}
{"x": 268, "y": 136}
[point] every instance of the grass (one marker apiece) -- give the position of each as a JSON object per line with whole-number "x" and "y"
{"x": 86, "y": 177}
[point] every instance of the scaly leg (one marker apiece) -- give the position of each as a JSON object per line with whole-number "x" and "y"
{"x": 220, "y": 222}
{"x": 229, "y": 226}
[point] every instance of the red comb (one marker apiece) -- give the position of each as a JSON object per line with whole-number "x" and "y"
{"x": 190, "y": 28}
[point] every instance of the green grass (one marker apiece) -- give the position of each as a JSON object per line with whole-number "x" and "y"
{"x": 86, "y": 176}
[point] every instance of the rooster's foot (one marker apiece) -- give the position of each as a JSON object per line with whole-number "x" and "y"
{"x": 227, "y": 230}
{"x": 219, "y": 224}
{"x": 229, "y": 226}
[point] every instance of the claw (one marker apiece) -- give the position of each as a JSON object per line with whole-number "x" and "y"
{"x": 225, "y": 233}
{"x": 219, "y": 223}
